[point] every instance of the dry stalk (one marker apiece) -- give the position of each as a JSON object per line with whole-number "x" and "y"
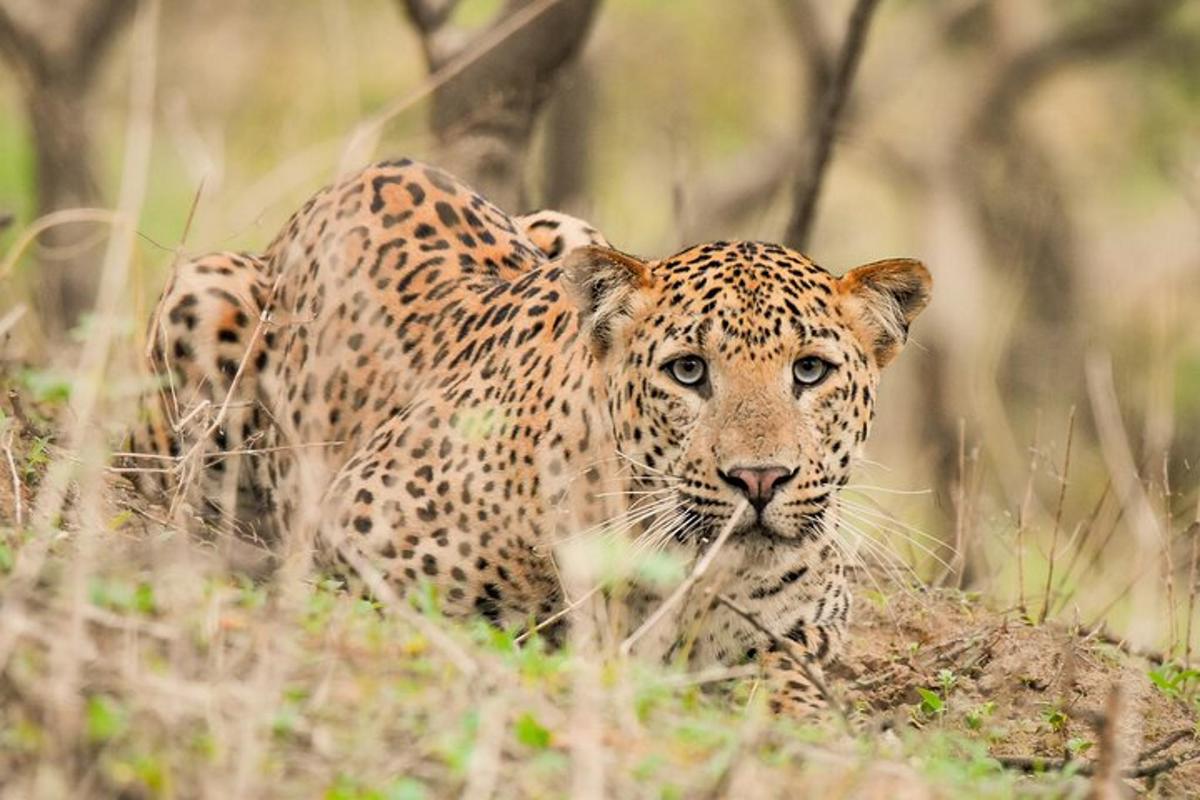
{"x": 94, "y": 357}
{"x": 701, "y": 567}
{"x": 1089, "y": 527}
{"x": 1114, "y": 445}
{"x": 1105, "y": 782}
{"x": 1023, "y": 514}
{"x": 1168, "y": 557}
{"x": 965, "y": 495}
{"x": 18, "y": 503}
{"x": 1193, "y": 533}
{"x": 557, "y": 615}
{"x": 1058, "y": 512}
{"x": 382, "y": 591}
{"x": 483, "y": 769}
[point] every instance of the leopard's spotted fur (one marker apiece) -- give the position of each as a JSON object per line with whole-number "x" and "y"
{"x": 445, "y": 392}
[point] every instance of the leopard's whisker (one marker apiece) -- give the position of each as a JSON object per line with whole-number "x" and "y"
{"x": 885, "y": 557}
{"x": 880, "y": 524}
{"x": 893, "y": 566}
{"x": 886, "y": 519}
{"x": 623, "y": 522}
{"x": 864, "y": 488}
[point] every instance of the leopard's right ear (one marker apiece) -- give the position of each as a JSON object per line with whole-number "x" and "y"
{"x": 604, "y": 284}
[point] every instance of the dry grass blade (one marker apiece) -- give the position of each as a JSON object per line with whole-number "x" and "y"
{"x": 701, "y": 567}
{"x": 18, "y": 503}
{"x": 1058, "y": 512}
{"x": 1023, "y": 514}
{"x": 42, "y": 224}
{"x": 1114, "y": 445}
{"x": 95, "y": 355}
{"x": 382, "y": 591}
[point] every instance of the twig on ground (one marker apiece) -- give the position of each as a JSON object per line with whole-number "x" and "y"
{"x": 797, "y": 655}
{"x": 1036, "y": 764}
{"x": 1106, "y": 782}
{"x": 1163, "y": 765}
{"x": 1165, "y": 743}
{"x": 22, "y": 416}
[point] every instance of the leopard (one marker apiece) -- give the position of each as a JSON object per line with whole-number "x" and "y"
{"x": 427, "y": 389}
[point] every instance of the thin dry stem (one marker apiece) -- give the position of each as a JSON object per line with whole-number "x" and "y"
{"x": 1023, "y": 514}
{"x": 701, "y": 567}
{"x": 1114, "y": 445}
{"x": 1058, "y": 512}
{"x": 1168, "y": 557}
{"x": 18, "y": 503}
{"x": 1193, "y": 533}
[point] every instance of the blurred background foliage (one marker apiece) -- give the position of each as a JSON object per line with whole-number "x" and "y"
{"x": 1041, "y": 156}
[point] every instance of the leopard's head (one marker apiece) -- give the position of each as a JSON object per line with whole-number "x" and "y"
{"x": 741, "y": 371}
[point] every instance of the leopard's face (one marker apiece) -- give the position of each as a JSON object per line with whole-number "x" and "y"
{"x": 740, "y": 374}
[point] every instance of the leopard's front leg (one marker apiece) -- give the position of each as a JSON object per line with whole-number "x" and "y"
{"x": 795, "y": 681}
{"x": 798, "y": 645}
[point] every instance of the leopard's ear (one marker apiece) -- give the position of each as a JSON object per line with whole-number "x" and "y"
{"x": 884, "y": 297}
{"x": 604, "y": 284}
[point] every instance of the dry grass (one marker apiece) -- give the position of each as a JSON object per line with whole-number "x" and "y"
{"x": 135, "y": 662}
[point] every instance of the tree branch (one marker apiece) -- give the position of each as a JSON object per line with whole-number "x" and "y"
{"x": 429, "y": 15}
{"x": 1099, "y": 35}
{"x": 22, "y": 50}
{"x": 499, "y": 78}
{"x": 807, "y": 190}
{"x": 95, "y": 31}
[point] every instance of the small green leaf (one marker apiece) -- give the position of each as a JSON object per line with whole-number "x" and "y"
{"x": 406, "y": 789}
{"x": 1078, "y": 745}
{"x": 105, "y": 718}
{"x": 931, "y": 703}
{"x": 531, "y": 733}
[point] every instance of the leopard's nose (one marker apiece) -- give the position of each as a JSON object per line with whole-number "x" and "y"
{"x": 757, "y": 483}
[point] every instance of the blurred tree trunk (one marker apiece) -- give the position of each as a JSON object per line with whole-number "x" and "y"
{"x": 565, "y": 159}
{"x": 1009, "y": 180}
{"x": 500, "y": 78}
{"x": 1006, "y": 180}
{"x": 55, "y": 49}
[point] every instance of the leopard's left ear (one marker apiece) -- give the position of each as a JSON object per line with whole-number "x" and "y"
{"x": 885, "y": 297}
{"x": 604, "y": 284}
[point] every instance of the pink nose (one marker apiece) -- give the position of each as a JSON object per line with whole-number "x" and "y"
{"x": 757, "y": 483}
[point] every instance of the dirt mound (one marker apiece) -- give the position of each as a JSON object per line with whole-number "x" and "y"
{"x": 1037, "y": 695}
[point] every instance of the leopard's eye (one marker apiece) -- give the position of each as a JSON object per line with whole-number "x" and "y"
{"x": 687, "y": 370}
{"x": 810, "y": 370}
